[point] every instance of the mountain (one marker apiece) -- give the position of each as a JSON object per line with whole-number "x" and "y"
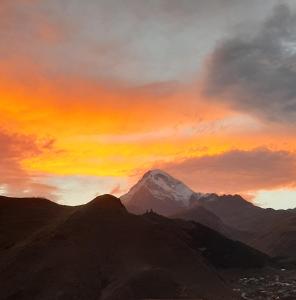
{"x": 268, "y": 230}
{"x": 279, "y": 238}
{"x": 161, "y": 192}
{"x": 233, "y": 210}
{"x": 200, "y": 214}
{"x": 101, "y": 251}
{"x": 271, "y": 231}
{"x": 21, "y": 218}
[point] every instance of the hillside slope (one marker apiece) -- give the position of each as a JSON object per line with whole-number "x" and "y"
{"x": 100, "y": 251}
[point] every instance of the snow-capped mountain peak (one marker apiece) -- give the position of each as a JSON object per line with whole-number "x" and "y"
{"x": 162, "y": 186}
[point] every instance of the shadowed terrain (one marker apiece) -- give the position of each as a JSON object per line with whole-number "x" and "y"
{"x": 100, "y": 251}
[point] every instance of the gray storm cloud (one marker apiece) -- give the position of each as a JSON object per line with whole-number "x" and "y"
{"x": 134, "y": 41}
{"x": 257, "y": 72}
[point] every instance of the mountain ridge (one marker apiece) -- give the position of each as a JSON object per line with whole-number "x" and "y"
{"x": 268, "y": 230}
{"x": 101, "y": 251}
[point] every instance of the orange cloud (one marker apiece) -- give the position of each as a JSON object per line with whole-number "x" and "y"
{"x": 111, "y": 130}
{"x": 237, "y": 171}
{"x": 14, "y": 179}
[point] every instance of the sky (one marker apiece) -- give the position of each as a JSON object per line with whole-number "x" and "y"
{"x": 94, "y": 93}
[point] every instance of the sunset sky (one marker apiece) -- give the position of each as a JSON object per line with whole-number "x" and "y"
{"x": 94, "y": 93}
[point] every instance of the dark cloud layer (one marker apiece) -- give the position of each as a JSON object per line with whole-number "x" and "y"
{"x": 162, "y": 40}
{"x": 257, "y": 72}
{"x": 237, "y": 171}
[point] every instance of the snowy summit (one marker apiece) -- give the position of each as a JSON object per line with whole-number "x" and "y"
{"x": 162, "y": 186}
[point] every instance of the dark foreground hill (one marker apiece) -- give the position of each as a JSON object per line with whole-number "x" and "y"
{"x": 100, "y": 251}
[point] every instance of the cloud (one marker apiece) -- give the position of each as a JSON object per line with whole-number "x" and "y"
{"x": 147, "y": 37}
{"x": 117, "y": 190}
{"x": 79, "y": 189}
{"x": 236, "y": 171}
{"x": 257, "y": 72}
{"x": 14, "y": 179}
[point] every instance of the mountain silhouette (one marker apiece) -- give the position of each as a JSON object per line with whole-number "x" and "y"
{"x": 101, "y": 251}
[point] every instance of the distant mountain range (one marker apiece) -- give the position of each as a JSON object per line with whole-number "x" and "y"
{"x": 101, "y": 251}
{"x": 270, "y": 231}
